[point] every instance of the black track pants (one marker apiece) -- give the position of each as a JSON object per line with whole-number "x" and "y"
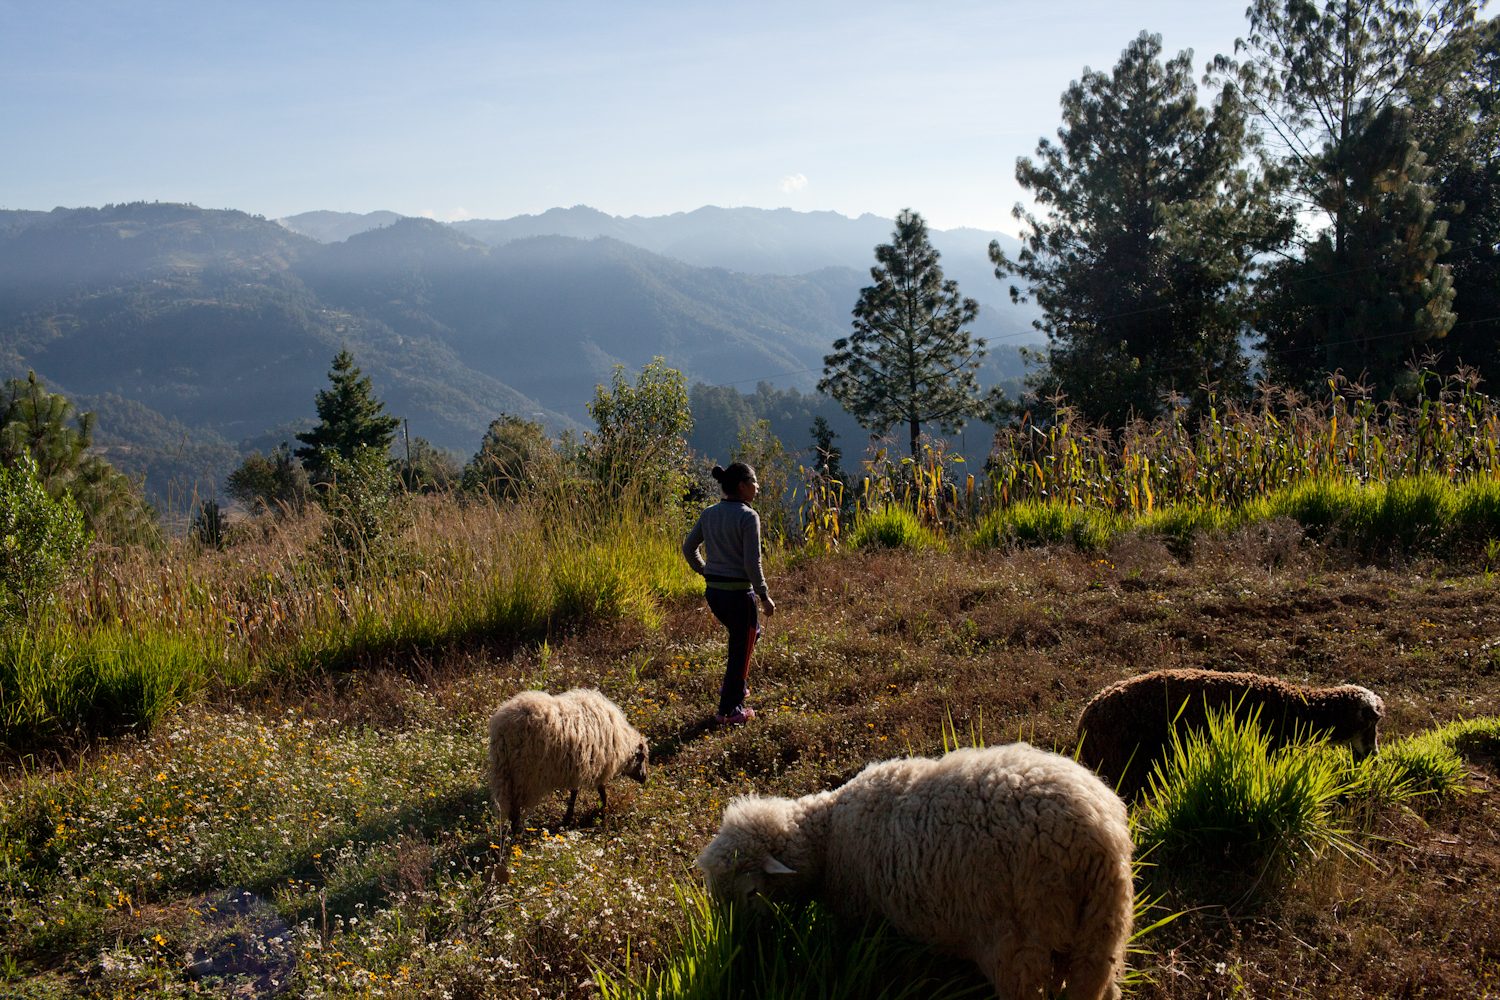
{"x": 737, "y": 610}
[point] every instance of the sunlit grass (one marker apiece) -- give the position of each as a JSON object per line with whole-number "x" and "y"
{"x": 148, "y": 630}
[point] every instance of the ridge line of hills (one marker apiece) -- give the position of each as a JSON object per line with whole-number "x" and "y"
{"x": 198, "y": 335}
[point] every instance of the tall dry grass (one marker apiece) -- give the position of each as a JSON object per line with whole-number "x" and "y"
{"x": 144, "y": 629}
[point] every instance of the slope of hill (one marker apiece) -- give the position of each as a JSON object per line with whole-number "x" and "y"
{"x": 196, "y": 316}
{"x": 331, "y": 227}
{"x": 189, "y": 329}
{"x": 751, "y": 240}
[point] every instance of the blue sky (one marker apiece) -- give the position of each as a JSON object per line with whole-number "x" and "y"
{"x": 489, "y": 110}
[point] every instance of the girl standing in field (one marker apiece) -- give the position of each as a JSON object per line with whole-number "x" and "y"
{"x": 729, "y": 531}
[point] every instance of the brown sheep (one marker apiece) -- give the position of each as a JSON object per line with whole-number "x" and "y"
{"x": 1126, "y": 728}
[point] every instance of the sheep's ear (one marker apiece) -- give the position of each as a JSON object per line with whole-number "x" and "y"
{"x": 773, "y": 867}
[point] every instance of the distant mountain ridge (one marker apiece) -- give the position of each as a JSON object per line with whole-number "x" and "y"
{"x": 191, "y": 329}
{"x": 751, "y": 240}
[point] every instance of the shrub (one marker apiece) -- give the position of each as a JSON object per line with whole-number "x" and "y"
{"x": 367, "y": 511}
{"x": 891, "y": 527}
{"x": 513, "y": 454}
{"x": 41, "y": 537}
{"x": 1225, "y": 798}
{"x": 271, "y": 482}
{"x": 210, "y": 527}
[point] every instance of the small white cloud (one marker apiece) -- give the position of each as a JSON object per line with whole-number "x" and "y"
{"x": 459, "y": 214}
{"x": 793, "y": 183}
{"x": 428, "y": 213}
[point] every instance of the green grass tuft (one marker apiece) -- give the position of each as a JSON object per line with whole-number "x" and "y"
{"x": 1224, "y": 797}
{"x": 794, "y": 953}
{"x": 891, "y": 527}
{"x": 1032, "y": 523}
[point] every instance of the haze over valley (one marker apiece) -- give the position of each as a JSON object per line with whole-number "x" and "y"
{"x": 199, "y": 335}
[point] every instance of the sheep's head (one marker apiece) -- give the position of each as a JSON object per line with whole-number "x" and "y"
{"x": 1360, "y": 727}
{"x": 744, "y": 862}
{"x": 638, "y": 767}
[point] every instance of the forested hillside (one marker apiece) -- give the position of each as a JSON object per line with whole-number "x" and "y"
{"x": 752, "y": 240}
{"x": 195, "y": 332}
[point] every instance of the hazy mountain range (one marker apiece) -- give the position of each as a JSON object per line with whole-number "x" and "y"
{"x": 198, "y": 334}
{"x": 753, "y": 240}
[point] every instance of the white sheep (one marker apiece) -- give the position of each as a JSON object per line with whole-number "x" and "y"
{"x": 540, "y": 743}
{"x": 1013, "y": 857}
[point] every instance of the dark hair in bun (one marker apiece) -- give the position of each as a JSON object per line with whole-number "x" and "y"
{"x": 738, "y": 472}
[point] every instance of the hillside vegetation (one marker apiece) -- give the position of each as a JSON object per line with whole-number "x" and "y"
{"x": 220, "y": 324}
{"x": 260, "y": 766}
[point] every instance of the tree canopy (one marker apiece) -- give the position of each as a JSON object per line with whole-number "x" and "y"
{"x": 909, "y": 360}
{"x": 350, "y": 418}
{"x": 1152, "y": 228}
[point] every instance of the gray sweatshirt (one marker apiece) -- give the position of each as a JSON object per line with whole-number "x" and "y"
{"x": 730, "y": 533}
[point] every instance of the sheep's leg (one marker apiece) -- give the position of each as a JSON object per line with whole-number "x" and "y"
{"x": 572, "y": 800}
{"x": 603, "y": 800}
{"x": 515, "y": 822}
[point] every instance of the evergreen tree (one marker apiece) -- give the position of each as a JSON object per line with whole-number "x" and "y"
{"x": 1332, "y": 84}
{"x": 826, "y": 454}
{"x": 1460, "y": 129}
{"x": 350, "y": 418}
{"x": 35, "y": 432}
{"x": 910, "y": 360}
{"x": 1153, "y": 228}
{"x": 1360, "y": 299}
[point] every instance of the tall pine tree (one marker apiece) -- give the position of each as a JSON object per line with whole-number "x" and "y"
{"x": 349, "y": 418}
{"x": 1153, "y": 227}
{"x": 909, "y": 360}
{"x": 1332, "y": 85}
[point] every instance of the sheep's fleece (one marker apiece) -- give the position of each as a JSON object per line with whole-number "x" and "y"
{"x": 540, "y": 743}
{"x": 1014, "y": 857}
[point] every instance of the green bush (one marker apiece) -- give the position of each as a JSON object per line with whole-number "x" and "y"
{"x": 891, "y": 527}
{"x": 1224, "y": 797}
{"x": 795, "y": 953}
{"x": 367, "y": 512}
{"x": 41, "y": 538}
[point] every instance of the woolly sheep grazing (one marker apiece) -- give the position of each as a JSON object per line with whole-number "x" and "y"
{"x": 1127, "y": 727}
{"x": 540, "y": 743}
{"x": 1010, "y": 856}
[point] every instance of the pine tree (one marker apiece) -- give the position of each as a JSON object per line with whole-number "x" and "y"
{"x": 350, "y": 418}
{"x": 1333, "y": 85}
{"x": 1153, "y": 228}
{"x": 909, "y": 361}
{"x": 1363, "y": 298}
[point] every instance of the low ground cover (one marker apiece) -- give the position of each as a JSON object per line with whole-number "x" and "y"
{"x": 348, "y": 805}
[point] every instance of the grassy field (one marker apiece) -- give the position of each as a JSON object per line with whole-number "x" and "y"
{"x": 302, "y": 825}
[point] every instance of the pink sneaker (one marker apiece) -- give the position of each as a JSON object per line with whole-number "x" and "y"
{"x": 738, "y": 717}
